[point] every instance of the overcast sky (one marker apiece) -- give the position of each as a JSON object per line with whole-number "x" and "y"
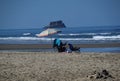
{"x": 74, "y": 13}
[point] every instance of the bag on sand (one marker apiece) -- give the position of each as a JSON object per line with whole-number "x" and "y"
{"x": 69, "y": 50}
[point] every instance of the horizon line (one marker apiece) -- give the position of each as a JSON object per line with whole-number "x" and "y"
{"x": 65, "y": 27}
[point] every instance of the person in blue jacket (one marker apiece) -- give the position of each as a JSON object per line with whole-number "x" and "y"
{"x": 59, "y": 45}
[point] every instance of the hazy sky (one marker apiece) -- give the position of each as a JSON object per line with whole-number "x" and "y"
{"x": 74, "y": 13}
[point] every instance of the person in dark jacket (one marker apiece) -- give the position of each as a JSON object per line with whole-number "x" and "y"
{"x": 73, "y": 48}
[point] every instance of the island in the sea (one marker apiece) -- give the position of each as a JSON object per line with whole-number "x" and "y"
{"x": 56, "y": 24}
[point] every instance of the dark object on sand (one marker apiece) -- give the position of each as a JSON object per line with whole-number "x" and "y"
{"x": 73, "y": 48}
{"x": 104, "y": 74}
{"x": 56, "y": 24}
{"x": 59, "y": 45}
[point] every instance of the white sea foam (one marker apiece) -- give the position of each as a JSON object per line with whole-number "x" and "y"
{"x": 22, "y": 38}
{"x": 75, "y": 39}
{"x": 117, "y": 37}
{"x": 44, "y": 39}
{"x": 26, "y": 34}
{"x": 104, "y": 33}
{"x": 77, "y": 34}
{"x": 72, "y": 34}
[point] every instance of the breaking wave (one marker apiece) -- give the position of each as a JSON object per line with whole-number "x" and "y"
{"x": 117, "y": 37}
{"x": 78, "y": 34}
{"x": 23, "y": 38}
{"x": 26, "y": 34}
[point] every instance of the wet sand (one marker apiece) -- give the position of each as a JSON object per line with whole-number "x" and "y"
{"x": 52, "y": 66}
{"x": 40, "y": 46}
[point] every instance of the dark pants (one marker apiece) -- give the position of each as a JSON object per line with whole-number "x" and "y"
{"x": 61, "y": 49}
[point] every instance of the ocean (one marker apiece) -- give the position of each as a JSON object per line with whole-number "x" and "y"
{"x": 74, "y": 35}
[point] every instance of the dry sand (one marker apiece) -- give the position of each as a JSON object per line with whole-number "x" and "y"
{"x": 51, "y": 66}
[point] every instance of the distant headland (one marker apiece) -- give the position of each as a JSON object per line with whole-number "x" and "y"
{"x": 56, "y": 24}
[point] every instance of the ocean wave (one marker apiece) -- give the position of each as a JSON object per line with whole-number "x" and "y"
{"x": 26, "y": 34}
{"x": 23, "y": 38}
{"x": 117, "y": 37}
{"x": 78, "y": 34}
{"x": 36, "y": 38}
{"x": 68, "y": 34}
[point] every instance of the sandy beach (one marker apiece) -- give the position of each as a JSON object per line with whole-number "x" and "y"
{"x": 53, "y": 66}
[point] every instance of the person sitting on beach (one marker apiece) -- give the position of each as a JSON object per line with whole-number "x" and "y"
{"x": 59, "y": 45}
{"x": 73, "y": 48}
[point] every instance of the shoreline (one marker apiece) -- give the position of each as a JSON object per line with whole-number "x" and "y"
{"x": 49, "y": 46}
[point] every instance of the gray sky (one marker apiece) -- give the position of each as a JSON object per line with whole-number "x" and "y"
{"x": 74, "y": 13}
